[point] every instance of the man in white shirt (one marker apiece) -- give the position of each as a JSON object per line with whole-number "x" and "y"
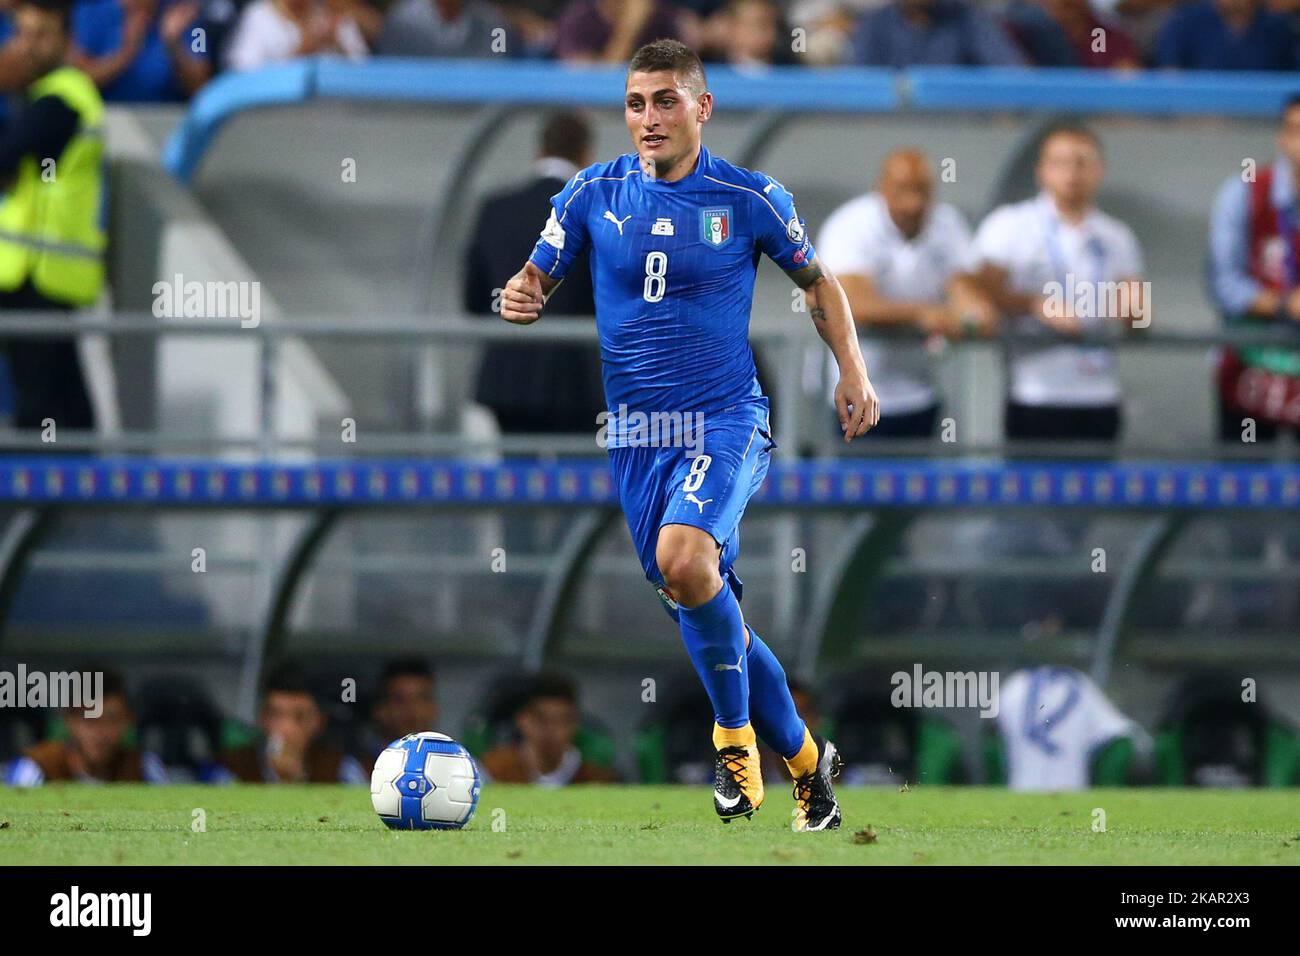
{"x": 905, "y": 262}
{"x": 1059, "y": 266}
{"x": 277, "y": 31}
{"x": 1052, "y": 721}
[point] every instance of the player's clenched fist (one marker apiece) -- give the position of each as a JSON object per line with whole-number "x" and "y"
{"x": 856, "y": 402}
{"x": 524, "y": 296}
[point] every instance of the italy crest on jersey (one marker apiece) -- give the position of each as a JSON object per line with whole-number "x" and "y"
{"x": 715, "y": 225}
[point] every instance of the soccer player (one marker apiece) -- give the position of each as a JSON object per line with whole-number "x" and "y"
{"x": 675, "y": 235}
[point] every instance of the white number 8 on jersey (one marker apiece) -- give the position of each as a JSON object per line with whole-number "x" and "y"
{"x": 656, "y": 267}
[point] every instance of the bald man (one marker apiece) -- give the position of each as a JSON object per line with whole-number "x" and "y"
{"x": 906, "y": 263}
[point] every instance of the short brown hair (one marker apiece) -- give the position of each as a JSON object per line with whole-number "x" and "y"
{"x": 566, "y": 135}
{"x": 671, "y": 55}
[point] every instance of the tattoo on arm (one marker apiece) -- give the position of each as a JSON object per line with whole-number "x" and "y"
{"x": 808, "y": 275}
{"x": 806, "y": 278}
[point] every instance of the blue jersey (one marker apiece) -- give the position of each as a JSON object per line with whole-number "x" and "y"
{"x": 673, "y": 266}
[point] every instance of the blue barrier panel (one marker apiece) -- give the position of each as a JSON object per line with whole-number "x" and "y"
{"x": 504, "y": 81}
{"x": 227, "y": 95}
{"x": 792, "y": 89}
{"x": 470, "y": 81}
{"x": 507, "y": 81}
{"x": 1095, "y": 91}
{"x": 810, "y": 484}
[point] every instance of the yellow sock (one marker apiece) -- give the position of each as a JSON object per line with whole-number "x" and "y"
{"x": 805, "y": 761}
{"x": 739, "y": 737}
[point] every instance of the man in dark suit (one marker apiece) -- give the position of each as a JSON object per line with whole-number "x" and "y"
{"x": 539, "y": 389}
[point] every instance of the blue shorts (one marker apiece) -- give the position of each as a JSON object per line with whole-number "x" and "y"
{"x": 706, "y": 485}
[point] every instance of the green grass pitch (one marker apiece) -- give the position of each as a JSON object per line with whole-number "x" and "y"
{"x": 131, "y": 824}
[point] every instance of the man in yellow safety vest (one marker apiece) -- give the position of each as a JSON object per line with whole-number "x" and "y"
{"x": 52, "y": 235}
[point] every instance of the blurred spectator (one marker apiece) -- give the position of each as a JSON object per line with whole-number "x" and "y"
{"x": 1255, "y": 280}
{"x": 277, "y": 31}
{"x": 536, "y": 388}
{"x": 746, "y": 33}
{"x": 932, "y": 33}
{"x": 141, "y": 51}
{"x": 218, "y": 19}
{"x": 1226, "y": 35}
{"x": 370, "y": 16}
{"x": 441, "y": 28}
{"x": 1066, "y": 33}
{"x": 1141, "y": 20}
{"x": 98, "y": 749}
{"x": 1040, "y": 38}
{"x": 13, "y": 69}
{"x": 1051, "y": 263}
{"x": 407, "y": 703}
{"x": 545, "y": 750}
{"x": 1060, "y": 732}
{"x": 611, "y": 30}
{"x": 905, "y": 261}
{"x": 827, "y": 27}
{"x": 51, "y": 233}
{"x": 532, "y": 23}
{"x": 291, "y": 749}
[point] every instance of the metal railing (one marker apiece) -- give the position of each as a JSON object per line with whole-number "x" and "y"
{"x": 785, "y": 338}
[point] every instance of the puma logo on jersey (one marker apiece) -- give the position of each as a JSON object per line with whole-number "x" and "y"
{"x": 731, "y": 667}
{"x": 696, "y": 501}
{"x": 616, "y": 221}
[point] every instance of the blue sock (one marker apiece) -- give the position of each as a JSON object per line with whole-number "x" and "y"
{"x": 714, "y": 634}
{"x": 775, "y": 718}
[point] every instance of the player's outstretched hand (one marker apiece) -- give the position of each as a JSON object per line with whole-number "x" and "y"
{"x": 857, "y": 405}
{"x": 523, "y": 298}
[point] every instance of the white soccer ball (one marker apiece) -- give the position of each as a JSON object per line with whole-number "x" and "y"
{"x": 425, "y": 781}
